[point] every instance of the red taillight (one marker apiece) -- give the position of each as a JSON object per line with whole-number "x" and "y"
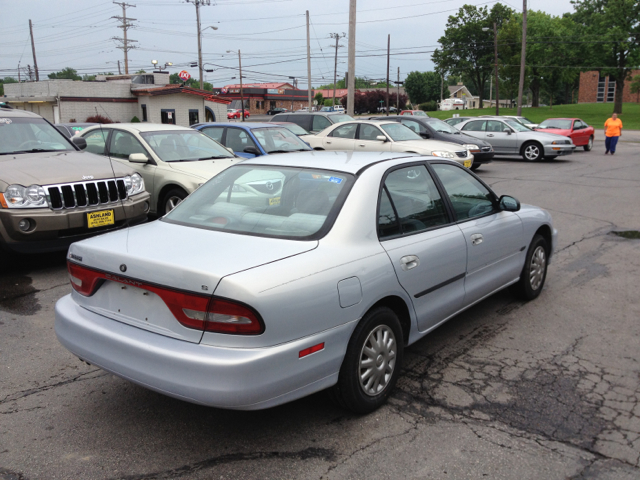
{"x": 199, "y": 312}
{"x": 84, "y": 280}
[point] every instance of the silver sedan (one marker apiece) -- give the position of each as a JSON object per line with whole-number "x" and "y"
{"x": 282, "y": 277}
{"x": 507, "y": 136}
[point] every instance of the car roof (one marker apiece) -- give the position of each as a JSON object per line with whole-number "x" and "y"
{"x": 348, "y": 162}
{"x": 144, "y": 127}
{"x": 245, "y": 125}
{"x": 8, "y": 111}
{"x": 562, "y": 118}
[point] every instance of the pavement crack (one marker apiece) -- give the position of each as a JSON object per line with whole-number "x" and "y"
{"x": 32, "y": 391}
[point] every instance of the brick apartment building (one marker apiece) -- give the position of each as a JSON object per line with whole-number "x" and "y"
{"x": 149, "y": 97}
{"x": 261, "y": 97}
{"x": 596, "y": 88}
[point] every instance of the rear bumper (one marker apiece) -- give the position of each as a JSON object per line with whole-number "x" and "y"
{"x": 57, "y": 229}
{"x": 233, "y": 378}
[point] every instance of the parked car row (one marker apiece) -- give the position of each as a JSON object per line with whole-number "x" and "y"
{"x": 295, "y": 294}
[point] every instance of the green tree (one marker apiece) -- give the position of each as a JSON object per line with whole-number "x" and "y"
{"x": 318, "y": 98}
{"x": 614, "y": 26}
{"x": 66, "y": 73}
{"x": 140, "y": 72}
{"x": 466, "y": 48}
{"x": 5, "y": 80}
{"x": 423, "y": 86}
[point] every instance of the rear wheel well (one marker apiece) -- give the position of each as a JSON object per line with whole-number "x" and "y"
{"x": 318, "y": 148}
{"x": 400, "y": 308}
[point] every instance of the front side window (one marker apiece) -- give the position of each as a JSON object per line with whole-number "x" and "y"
{"x": 441, "y": 127}
{"x": 468, "y": 196}
{"x": 320, "y": 123}
{"x": 411, "y": 200}
{"x": 496, "y": 126}
{"x": 269, "y": 201}
{"x": 399, "y": 132}
{"x": 475, "y": 126}
{"x": 369, "y": 132}
{"x": 123, "y": 144}
{"x": 517, "y": 126}
{"x": 184, "y": 146}
{"x": 345, "y": 131}
{"x": 238, "y": 139}
{"x": 279, "y": 140}
{"x": 27, "y": 135}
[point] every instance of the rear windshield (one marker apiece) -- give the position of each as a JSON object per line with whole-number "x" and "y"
{"x": 268, "y": 201}
{"x": 30, "y": 135}
{"x": 339, "y": 118}
{"x": 440, "y": 126}
{"x": 399, "y": 132}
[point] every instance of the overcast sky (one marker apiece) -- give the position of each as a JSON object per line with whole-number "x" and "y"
{"x": 271, "y": 35}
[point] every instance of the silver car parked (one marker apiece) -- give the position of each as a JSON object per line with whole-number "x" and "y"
{"x": 509, "y": 137}
{"x": 284, "y": 276}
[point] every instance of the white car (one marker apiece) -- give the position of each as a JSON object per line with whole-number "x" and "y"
{"x": 172, "y": 160}
{"x": 384, "y": 136}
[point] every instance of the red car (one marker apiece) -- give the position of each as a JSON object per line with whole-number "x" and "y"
{"x": 579, "y": 132}
{"x": 420, "y": 113}
{"x": 237, "y": 114}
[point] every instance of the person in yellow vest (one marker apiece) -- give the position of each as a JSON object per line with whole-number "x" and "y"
{"x": 612, "y": 132}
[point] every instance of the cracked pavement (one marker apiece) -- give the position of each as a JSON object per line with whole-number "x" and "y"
{"x": 506, "y": 390}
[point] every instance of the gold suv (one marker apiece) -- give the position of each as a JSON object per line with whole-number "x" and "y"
{"x": 53, "y": 194}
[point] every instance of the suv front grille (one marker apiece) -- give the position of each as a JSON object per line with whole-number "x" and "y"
{"x": 86, "y": 194}
{"x": 462, "y": 154}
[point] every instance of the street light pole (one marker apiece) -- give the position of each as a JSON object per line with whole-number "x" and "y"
{"x": 523, "y": 55}
{"x": 241, "y": 91}
{"x": 495, "y": 49}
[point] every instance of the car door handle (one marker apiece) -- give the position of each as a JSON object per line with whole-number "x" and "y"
{"x": 476, "y": 239}
{"x": 361, "y": 144}
{"x": 409, "y": 261}
{"x": 328, "y": 143}
{"x": 490, "y": 135}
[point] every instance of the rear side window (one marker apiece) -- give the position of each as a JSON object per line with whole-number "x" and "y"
{"x": 475, "y": 126}
{"x": 96, "y": 141}
{"x": 415, "y": 202}
{"x": 345, "y": 131}
{"x": 214, "y": 132}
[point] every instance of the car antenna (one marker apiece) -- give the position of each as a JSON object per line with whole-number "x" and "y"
{"x": 115, "y": 178}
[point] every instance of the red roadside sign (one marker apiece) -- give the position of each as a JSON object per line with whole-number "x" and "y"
{"x": 184, "y": 75}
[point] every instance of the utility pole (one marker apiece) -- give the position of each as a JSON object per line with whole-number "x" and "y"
{"x": 119, "y": 71}
{"x": 388, "y": 58}
{"x": 523, "y": 55}
{"x": 495, "y": 53}
{"x": 351, "y": 62}
{"x": 241, "y": 91}
{"x": 308, "y": 63}
{"x": 337, "y": 36}
{"x": 197, "y": 3}
{"x": 398, "y": 95}
{"x": 30, "y": 73}
{"x": 125, "y": 26}
{"x": 33, "y": 49}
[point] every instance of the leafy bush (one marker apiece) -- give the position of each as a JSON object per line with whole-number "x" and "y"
{"x": 135, "y": 119}
{"x": 98, "y": 119}
{"x": 430, "y": 106}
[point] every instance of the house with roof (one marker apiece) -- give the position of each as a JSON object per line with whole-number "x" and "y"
{"x": 147, "y": 97}
{"x": 461, "y": 92}
{"x": 261, "y": 97}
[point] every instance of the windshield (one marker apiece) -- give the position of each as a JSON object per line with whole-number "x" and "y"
{"x": 279, "y": 202}
{"x": 184, "y": 146}
{"x": 26, "y": 135}
{"x": 517, "y": 126}
{"x": 399, "y": 132}
{"x": 442, "y": 127}
{"x": 279, "y": 140}
{"x": 556, "y": 123}
{"x": 343, "y": 117}
{"x": 525, "y": 120}
{"x": 295, "y": 128}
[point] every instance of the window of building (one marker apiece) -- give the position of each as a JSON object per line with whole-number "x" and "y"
{"x": 144, "y": 113}
{"x": 193, "y": 117}
{"x": 611, "y": 90}
{"x": 168, "y": 116}
{"x": 601, "y": 86}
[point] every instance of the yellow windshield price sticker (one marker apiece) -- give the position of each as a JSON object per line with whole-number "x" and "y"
{"x": 100, "y": 219}
{"x": 274, "y": 201}
{"x": 467, "y": 163}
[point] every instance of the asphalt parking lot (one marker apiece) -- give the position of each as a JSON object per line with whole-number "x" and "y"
{"x": 507, "y": 390}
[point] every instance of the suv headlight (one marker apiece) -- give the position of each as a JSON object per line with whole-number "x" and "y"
{"x": 443, "y": 154}
{"x": 17, "y": 196}
{"x": 472, "y": 148}
{"x": 134, "y": 184}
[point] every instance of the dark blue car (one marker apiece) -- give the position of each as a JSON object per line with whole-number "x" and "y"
{"x": 250, "y": 140}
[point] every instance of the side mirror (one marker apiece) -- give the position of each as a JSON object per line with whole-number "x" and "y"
{"x": 508, "y": 131}
{"x": 79, "y": 142}
{"x": 252, "y": 150}
{"x": 138, "y": 158}
{"x": 381, "y": 138}
{"x": 509, "y": 204}
{"x": 424, "y": 135}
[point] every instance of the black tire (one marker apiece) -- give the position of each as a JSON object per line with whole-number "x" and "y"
{"x": 475, "y": 167}
{"x": 349, "y": 392}
{"x": 532, "y": 151}
{"x": 589, "y": 145}
{"x": 175, "y": 196}
{"x": 531, "y": 283}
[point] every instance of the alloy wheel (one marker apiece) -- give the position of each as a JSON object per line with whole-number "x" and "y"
{"x": 377, "y": 360}
{"x": 537, "y": 267}
{"x": 531, "y": 152}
